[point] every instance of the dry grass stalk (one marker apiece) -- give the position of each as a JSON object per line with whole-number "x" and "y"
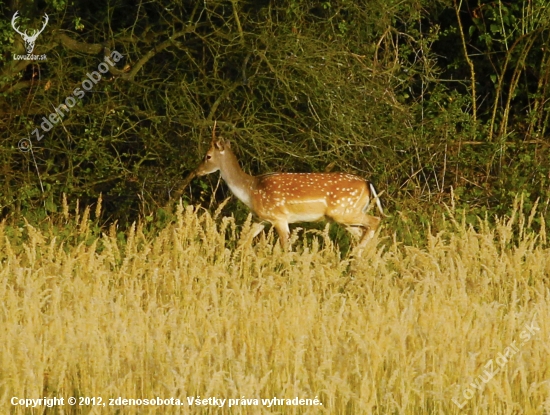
{"x": 200, "y": 310}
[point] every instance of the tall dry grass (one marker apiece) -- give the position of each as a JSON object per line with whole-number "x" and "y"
{"x": 200, "y": 310}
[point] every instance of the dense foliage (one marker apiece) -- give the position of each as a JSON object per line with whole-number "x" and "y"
{"x": 420, "y": 96}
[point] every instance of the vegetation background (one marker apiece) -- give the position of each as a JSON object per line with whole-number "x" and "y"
{"x": 440, "y": 103}
{"x": 418, "y": 96}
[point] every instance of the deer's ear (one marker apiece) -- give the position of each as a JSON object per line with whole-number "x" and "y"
{"x": 220, "y": 145}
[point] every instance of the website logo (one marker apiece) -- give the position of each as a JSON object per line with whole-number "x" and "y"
{"x": 29, "y": 39}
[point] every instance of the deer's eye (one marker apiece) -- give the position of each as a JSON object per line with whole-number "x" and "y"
{"x": 208, "y": 157}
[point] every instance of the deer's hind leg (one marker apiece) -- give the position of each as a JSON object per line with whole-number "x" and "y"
{"x": 367, "y": 225}
{"x": 370, "y": 225}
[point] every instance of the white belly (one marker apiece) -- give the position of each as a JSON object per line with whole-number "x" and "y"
{"x": 305, "y": 217}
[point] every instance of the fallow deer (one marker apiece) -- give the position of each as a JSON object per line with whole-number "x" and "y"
{"x": 283, "y": 198}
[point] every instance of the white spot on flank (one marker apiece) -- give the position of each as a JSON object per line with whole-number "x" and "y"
{"x": 321, "y": 200}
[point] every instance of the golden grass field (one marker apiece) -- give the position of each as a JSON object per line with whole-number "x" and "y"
{"x": 202, "y": 310}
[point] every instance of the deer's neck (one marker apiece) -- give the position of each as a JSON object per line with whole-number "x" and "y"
{"x": 240, "y": 183}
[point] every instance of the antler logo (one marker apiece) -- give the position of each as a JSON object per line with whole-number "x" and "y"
{"x": 29, "y": 39}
